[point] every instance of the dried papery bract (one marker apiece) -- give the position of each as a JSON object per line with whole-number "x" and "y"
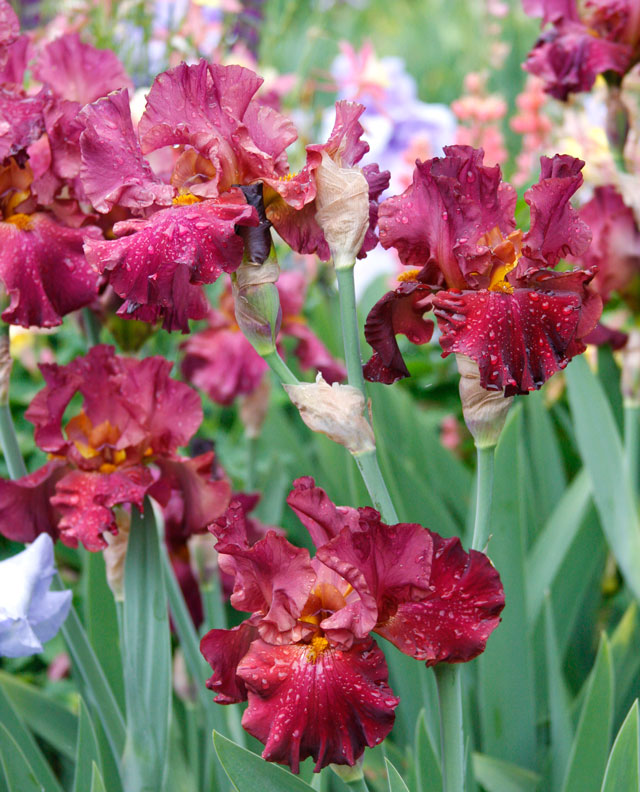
{"x": 484, "y": 411}
{"x": 342, "y": 210}
{"x": 336, "y": 411}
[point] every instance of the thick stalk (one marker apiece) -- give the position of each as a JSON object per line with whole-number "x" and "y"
{"x": 367, "y": 462}
{"x": 451, "y": 733}
{"x": 372, "y": 476}
{"x": 631, "y": 442}
{"x": 350, "y": 331}
{"x": 280, "y": 368}
{"x": 484, "y": 494}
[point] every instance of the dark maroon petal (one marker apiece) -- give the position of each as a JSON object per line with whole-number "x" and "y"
{"x": 570, "y": 57}
{"x": 556, "y": 228}
{"x": 21, "y": 121}
{"x": 385, "y": 565}
{"x": 222, "y": 363}
{"x": 519, "y": 340}
{"x": 453, "y": 622}
{"x": 328, "y": 705}
{"x": 113, "y": 168}
{"x": 25, "y": 504}
{"x": 273, "y": 578}
{"x": 319, "y": 515}
{"x": 45, "y": 272}
{"x": 298, "y": 227}
{"x": 378, "y": 182}
{"x": 399, "y": 311}
{"x": 224, "y": 650}
{"x": 189, "y": 588}
{"x": 203, "y": 499}
{"x": 615, "y": 247}
{"x": 162, "y": 259}
{"x": 602, "y": 334}
{"x": 86, "y": 502}
{"x": 79, "y": 72}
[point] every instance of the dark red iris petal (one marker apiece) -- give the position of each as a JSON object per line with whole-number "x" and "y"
{"x": 319, "y": 515}
{"x": 25, "y": 504}
{"x": 452, "y": 623}
{"x": 162, "y": 260}
{"x": 330, "y": 706}
{"x": 224, "y": 650}
{"x": 45, "y": 272}
{"x": 518, "y": 340}
{"x": 399, "y": 311}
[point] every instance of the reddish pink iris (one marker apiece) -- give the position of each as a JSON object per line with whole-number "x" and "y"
{"x": 315, "y": 680}
{"x": 120, "y": 446}
{"x": 581, "y": 44}
{"x": 493, "y": 289}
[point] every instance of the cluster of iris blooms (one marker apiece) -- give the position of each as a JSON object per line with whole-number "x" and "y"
{"x": 141, "y": 215}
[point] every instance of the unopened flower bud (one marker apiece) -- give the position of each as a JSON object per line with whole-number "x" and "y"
{"x": 342, "y": 202}
{"x": 258, "y": 315}
{"x": 630, "y": 382}
{"x": 116, "y": 552}
{"x": 484, "y": 411}
{"x": 336, "y": 411}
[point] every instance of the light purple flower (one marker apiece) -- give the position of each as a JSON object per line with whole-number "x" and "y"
{"x": 30, "y": 614}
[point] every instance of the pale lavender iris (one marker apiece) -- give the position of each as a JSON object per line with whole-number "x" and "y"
{"x": 30, "y": 614}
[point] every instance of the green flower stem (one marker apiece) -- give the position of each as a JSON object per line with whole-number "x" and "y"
{"x": 372, "y": 476}
{"x": 368, "y": 461}
{"x": 280, "y": 368}
{"x": 91, "y": 327}
{"x": 359, "y": 785}
{"x": 350, "y": 331}
{"x": 451, "y": 733}
{"x": 484, "y": 494}
{"x": 631, "y": 441}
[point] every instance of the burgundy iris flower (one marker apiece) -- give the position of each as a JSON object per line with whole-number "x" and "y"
{"x": 120, "y": 446}
{"x": 604, "y": 36}
{"x": 494, "y": 290}
{"x": 315, "y": 680}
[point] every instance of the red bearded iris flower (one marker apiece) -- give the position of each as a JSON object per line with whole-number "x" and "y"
{"x": 121, "y": 446}
{"x": 581, "y": 44}
{"x": 315, "y": 680}
{"x": 493, "y": 289}
{"x": 207, "y": 134}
